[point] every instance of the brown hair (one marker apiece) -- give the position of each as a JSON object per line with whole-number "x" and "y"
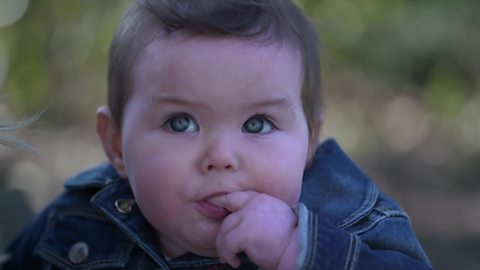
{"x": 258, "y": 20}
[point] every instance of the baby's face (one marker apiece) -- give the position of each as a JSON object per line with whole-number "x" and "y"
{"x": 207, "y": 117}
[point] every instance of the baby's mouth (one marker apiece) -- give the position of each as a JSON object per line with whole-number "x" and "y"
{"x": 212, "y": 207}
{"x": 217, "y": 200}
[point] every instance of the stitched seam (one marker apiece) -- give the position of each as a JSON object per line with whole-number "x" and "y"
{"x": 359, "y": 230}
{"x": 353, "y": 251}
{"x": 127, "y": 230}
{"x": 362, "y": 210}
{"x": 356, "y": 253}
{"x": 312, "y": 249}
{"x": 347, "y": 261}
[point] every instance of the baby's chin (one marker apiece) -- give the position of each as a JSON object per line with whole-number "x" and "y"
{"x": 205, "y": 249}
{"x": 206, "y": 253}
{"x": 206, "y": 244}
{"x": 202, "y": 242}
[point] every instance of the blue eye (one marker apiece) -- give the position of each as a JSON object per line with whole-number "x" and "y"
{"x": 182, "y": 123}
{"x": 257, "y": 124}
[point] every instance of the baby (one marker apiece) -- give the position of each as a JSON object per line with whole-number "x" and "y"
{"x": 211, "y": 130}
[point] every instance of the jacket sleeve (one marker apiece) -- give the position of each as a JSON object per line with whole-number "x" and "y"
{"x": 323, "y": 245}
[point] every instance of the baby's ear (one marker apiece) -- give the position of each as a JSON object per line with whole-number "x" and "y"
{"x": 111, "y": 139}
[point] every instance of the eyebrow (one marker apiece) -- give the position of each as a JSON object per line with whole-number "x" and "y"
{"x": 268, "y": 102}
{"x": 171, "y": 99}
{"x": 273, "y": 102}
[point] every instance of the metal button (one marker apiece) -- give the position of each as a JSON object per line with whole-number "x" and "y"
{"x": 124, "y": 206}
{"x": 78, "y": 253}
{"x": 108, "y": 181}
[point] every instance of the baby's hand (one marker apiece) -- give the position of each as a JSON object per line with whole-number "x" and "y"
{"x": 262, "y": 226}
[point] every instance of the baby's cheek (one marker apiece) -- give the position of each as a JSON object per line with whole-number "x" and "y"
{"x": 293, "y": 196}
{"x": 286, "y": 182}
{"x": 287, "y": 190}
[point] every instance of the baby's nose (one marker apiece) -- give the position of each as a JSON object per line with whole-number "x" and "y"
{"x": 219, "y": 162}
{"x": 220, "y": 156}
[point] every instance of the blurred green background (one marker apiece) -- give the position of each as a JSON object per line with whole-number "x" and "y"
{"x": 401, "y": 86}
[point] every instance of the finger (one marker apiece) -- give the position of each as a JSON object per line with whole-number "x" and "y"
{"x": 229, "y": 241}
{"x": 237, "y": 200}
{"x": 231, "y": 222}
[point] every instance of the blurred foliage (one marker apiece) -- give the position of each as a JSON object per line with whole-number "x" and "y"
{"x": 400, "y": 77}
{"x": 427, "y": 52}
{"x": 57, "y": 56}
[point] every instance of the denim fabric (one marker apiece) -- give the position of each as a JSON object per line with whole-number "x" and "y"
{"x": 344, "y": 223}
{"x": 349, "y": 223}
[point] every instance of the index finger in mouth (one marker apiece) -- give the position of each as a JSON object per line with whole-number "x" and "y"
{"x": 234, "y": 201}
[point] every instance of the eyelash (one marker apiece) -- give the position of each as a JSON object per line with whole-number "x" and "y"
{"x": 261, "y": 117}
{"x": 176, "y": 116}
{"x": 191, "y": 121}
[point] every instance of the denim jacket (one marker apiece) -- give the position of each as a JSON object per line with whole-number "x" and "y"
{"x": 344, "y": 223}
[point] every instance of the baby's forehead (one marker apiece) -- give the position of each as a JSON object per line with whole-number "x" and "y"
{"x": 183, "y": 42}
{"x": 178, "y": 52}
{"x": 178, "y": 46}
{"x": 198, "y": 66}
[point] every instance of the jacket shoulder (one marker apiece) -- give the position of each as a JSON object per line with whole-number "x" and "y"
{"x": 337, "y": 190}
{"x": 335, "y": 187}
{"x": 95, "y": 177}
